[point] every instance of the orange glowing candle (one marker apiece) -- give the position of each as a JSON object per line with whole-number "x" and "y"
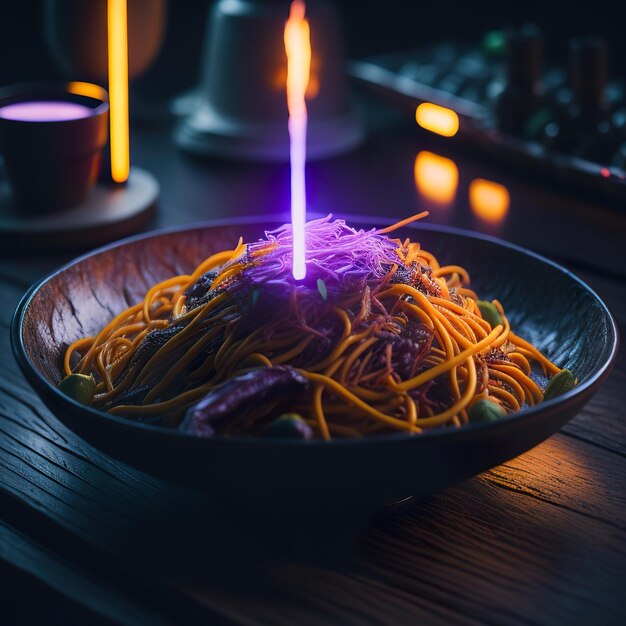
{"x": 298, "y": 49}
{"x": 118, "y": 88}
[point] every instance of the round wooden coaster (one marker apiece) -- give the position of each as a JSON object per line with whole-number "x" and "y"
{"x": 110, "y": 212}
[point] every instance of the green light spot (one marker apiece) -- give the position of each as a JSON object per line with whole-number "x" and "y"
{"x": 321, "y": 287}
{"x": 494, "y": 43}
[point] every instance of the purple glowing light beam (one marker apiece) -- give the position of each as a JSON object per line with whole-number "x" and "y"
{"x": 298, "y": 49}
{"x": 297, "y": 156}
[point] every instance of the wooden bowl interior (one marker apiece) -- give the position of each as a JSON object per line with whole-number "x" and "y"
{"x": 546, "y": 305}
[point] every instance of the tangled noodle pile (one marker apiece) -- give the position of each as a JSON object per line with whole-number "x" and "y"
{"x": 378, "y": 338}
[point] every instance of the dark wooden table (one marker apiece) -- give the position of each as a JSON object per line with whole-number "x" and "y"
{"x": 538, "y": 540}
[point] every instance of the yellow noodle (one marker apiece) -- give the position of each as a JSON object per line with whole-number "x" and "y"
{"x": 354, "y": 389}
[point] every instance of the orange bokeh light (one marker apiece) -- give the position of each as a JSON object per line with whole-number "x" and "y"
{"x": 279, "y": 79}
{"x": 437, "y": 119}
{"x": 436, "y": 177}
{"x": 489, "y": 200}
{"x": 87, "y": 89}
{"x": 298, "y": 49}
{"x": 117, "y": 29}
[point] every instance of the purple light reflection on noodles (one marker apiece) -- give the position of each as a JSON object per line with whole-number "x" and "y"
{"x": 45, "y": 111}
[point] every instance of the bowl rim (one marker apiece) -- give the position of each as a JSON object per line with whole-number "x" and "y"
{"x": 41, "y": 384}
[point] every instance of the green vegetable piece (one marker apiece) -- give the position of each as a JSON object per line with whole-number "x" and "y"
{"x": 79, "y": 387}
{"x": 494, "y": 43}
{"x": 559, "y": 384}
{"x": 485, "y": 411}
{"x": 289, "y": 426}
{"x": 321, "y": 287}
{"x": 490, "y": 313}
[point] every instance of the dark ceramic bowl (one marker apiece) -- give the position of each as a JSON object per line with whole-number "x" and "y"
{"x": 546, "y": 304}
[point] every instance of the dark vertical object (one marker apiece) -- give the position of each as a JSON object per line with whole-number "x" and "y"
{"x": 241, "y": 108}
{"x": 588, "y": 77}
{"x": 583, "y": 127}
{"x": 522, "y": 91}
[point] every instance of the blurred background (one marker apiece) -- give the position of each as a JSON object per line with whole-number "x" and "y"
{"x": 369, "y": 28}
{"x": 408, "y": 169}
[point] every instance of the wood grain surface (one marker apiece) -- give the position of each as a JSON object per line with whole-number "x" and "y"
{"x": 538, "y": 540}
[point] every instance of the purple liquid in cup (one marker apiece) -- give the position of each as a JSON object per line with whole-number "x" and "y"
{"x": 45, "y": 111}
